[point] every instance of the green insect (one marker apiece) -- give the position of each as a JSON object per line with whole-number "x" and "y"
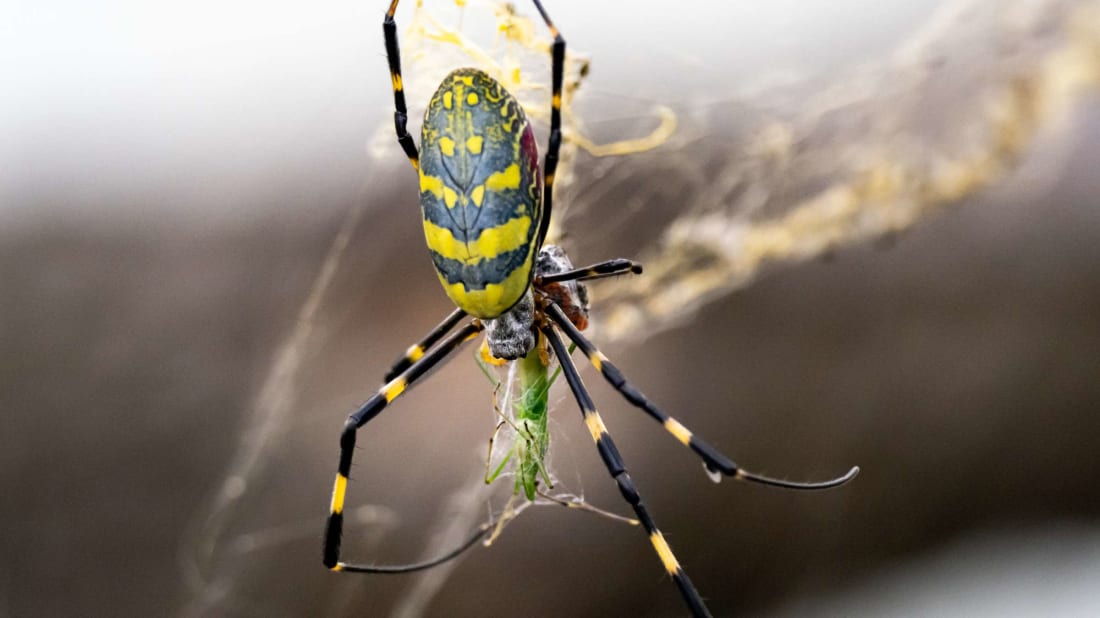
{"x": 486, "y": 207}
{"x": 529, "y": 425}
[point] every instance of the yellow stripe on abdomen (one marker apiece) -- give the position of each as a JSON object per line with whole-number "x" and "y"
{"x": 494, "y": 299}
{"x": 492, "y": 242}
{"x": 503, "y": 238}
{"x": 501, "y": 181}
{"x": 431, "y": 184}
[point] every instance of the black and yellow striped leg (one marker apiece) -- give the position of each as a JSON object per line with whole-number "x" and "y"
{"x": 610, "y": 268}
{"x": 401, "y": 115}
{"x": 550, "y": 165}
{"x": 417, "y": 350}
{"x": 714, "y": 461}
{"x": 366, "y": 412}
{"x": 615, "y": 466}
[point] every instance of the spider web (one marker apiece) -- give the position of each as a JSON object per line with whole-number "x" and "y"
{"x": 807, "y": 168}
{"x": 783, "y": 172}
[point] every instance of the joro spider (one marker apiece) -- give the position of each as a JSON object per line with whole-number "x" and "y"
{"x": 486, "y": 212}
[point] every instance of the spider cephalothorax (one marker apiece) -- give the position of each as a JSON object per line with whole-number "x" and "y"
{"x": 513, "y": 334}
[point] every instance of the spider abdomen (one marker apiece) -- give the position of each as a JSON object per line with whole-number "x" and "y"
{"x": 480, "y": 192}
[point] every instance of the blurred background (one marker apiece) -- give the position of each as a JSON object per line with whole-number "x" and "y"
{"x": 871, "y": 235}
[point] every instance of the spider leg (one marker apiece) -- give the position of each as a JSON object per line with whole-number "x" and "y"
{"x": 550, "y": 164}
{"x": 401, "y": 113}
{"x": 615, "y": 466}
{"x": 610, "y": 268}
{"x": 715, "y": 461}
{"x": 416, "y": 350}
{"x": 366, "y": 412}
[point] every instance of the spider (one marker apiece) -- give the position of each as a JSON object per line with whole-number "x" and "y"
{"x": 486, "y": 207}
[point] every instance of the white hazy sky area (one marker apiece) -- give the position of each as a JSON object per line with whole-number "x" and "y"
{"x": 103, "y": 101}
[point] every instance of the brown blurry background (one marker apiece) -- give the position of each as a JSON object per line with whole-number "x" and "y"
{"x": 174, "y": 177}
